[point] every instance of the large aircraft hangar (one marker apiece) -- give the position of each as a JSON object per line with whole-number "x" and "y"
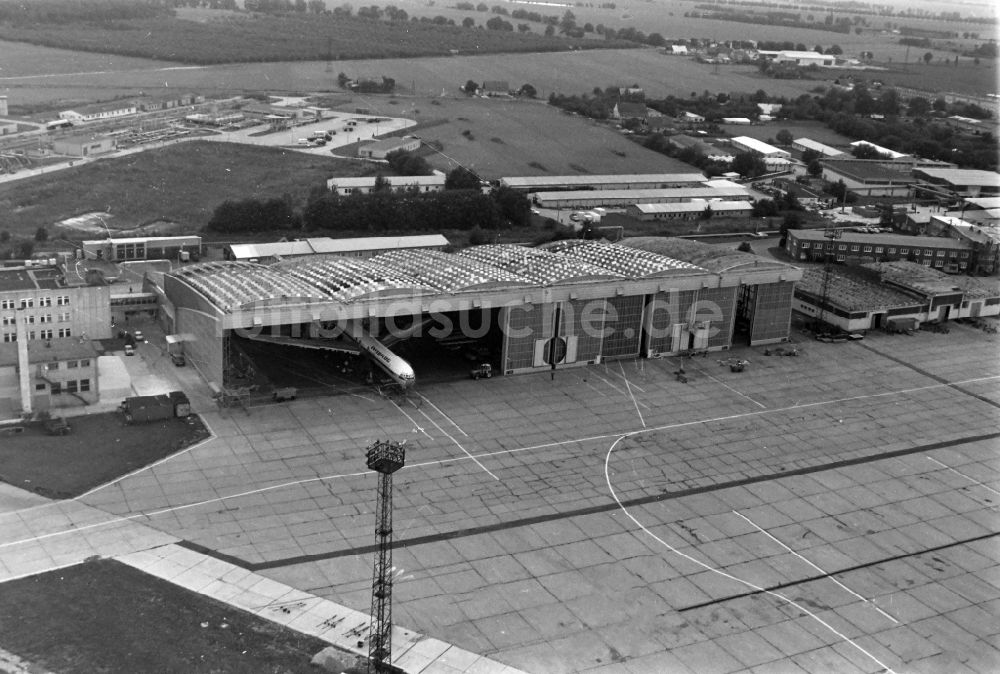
{"x": 521, "y": 309}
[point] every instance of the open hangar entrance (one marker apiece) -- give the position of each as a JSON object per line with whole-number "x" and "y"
{"x": 440, "y": 346}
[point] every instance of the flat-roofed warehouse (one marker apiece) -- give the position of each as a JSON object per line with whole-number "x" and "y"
{"x": 635, "y": 181}
{"x": 571, "y": 303}
{"x": 592, "y": 198}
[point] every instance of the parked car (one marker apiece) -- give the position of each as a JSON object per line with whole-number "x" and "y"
{"x": 178, "y": 359}
{"x": 139, "y": 336}
{"x": 129, "y": 351}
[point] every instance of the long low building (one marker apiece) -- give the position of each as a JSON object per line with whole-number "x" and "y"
{"x": 142, "y": 248}
{"x": 635, "y": 181}
{"x": 758, "y": 147}
{"x": 569, "y": 303}
{"x": 869, "y": 177}
{"x": 687, "y": 210}
{"x": 805, "y": 144}
{"x": 592, "y": 198}
{"x": 949, "y": 255}
{"x": 366, "y": 184}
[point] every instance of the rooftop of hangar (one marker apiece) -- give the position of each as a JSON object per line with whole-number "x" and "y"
{"x": 349, "y": 279}
{"x": 447, "y": 272}
{"x": 230, "y": 285}
{"x": 539, "y": 266}
{"x": 626, "y": 262}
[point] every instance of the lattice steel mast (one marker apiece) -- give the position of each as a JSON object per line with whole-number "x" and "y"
{"x": 385, "y": 458}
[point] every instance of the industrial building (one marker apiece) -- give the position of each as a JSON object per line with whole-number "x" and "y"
{"x": 804, "y": 144}
{"x": 689, "y": 210}
{"x": 799, "y": 58}
{"x": 636, "y": 181}
{"x": 869, "y": 177}
{"x": 83, "y": 145}
{"x": 867, "y": 297}
{"x": 526, "y": 309}
{"x": 758, "y": 147}
{"x": 381, "y": 149}
{"x": 883, "y": 151}
{"x": 949, "y": 255}
{"x": 592, "y": 198}
{"x": 143, "y": 248}
{"x": 364, "y": 185}
{"x": 40, "y": 299}
{"x": 361, "y": 247}
{"x": 959, "y": 183}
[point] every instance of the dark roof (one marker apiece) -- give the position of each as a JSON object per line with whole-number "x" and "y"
{"x": 711, "y": 257}
{"x": 868, "y": 169}
{"x": 16, "y": 279}
{"x": 630, "y": 110}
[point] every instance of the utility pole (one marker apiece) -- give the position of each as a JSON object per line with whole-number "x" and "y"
{"x": 831, "y": 234}
{"x": 385, "y": 458}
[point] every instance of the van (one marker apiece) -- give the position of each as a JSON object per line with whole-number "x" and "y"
{"x": 303, "y": 141}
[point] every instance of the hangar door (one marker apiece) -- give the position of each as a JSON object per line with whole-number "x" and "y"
{"x": 623, "y": 327}
{"x": 765, "y": 311}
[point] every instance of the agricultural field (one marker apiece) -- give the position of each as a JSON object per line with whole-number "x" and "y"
{"x": 565, "y": 72}
{"x": 966, "y": 78}
{"x": 496, "y": 137}
{"x": 798, "y": 128}
{"x": 241, "y": 38}
{"x": 182, "y": 183}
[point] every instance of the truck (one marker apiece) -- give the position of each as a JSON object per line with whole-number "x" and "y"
{"x": 175, "y": 349}
{"x": 139, "y": 409}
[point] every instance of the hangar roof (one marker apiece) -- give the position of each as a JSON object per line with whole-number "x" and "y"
{"x": 715, "y": 258}
{"x": 450, "y": 273}
{"x": 232, "y": 284}
{"x": 539, "y": 266}
{"x": 346, "y": 279}
{"x": 405, "y": 273}
{"x": 622, "y": 260}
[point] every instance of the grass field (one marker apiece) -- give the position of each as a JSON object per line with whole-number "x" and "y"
{"x": 240, "y": 38}
{"x": 99, "y": 448}
{"x": 497, "y": 138}
{"x": 565, "y": 72}
{"x": 104, "y": 616}
{"x": 181, "y": 183}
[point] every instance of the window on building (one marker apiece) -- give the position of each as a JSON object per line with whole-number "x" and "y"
{"x": 904, "y": 251}
{"x": 71, "y": 386}
{"x": 56, "y": 388}
{"x": 962, "y": 265}
{"x": 9, "y": 320}
{"x": 85, "y": 362}
{"x": 938, "y": 263}
{"x": 40, "y": 387}
{"x": 868, "y": 249}
{"x": 52, "y": 366}
{"x": 45, "y": 334}
{"x": 62, "y": 300}
{"x": 805, "y": 244}
{"x": 64, "y": 332}
{"x": 841, "y": 258}
{"x": 28, "y": 303}
{"x": 964, "y": 254}
{"x": 45, "y": 301}
{"x": 71, "y": 363}
{"x": 855, "y": 248}
{"x": 878, "y": 249}
{"x": 842, "y": 246}
{"x": 31, "y": 334}
{"x": 940, "y": 253}
{"x": 45, "y": 318}
{"x": 10, "y": 337}
{"x": 927, "y": 251}
{"x": 6, "y": 304}
{"x": 892, "y": 250}
{"x": 64, "y": 318}
{"x": 84, "y": 385}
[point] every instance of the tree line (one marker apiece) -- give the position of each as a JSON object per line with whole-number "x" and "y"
{"x": 461, "y": 206}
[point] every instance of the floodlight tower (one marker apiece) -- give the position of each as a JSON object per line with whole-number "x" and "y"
{"x": 385, "y": 458}
{"x": 831, "y": 234}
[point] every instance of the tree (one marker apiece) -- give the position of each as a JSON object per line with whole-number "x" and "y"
{"x": 470, "y": 87}
{"x": 928, "y": 57}
{"x": 381, "y": 184}
{"x": 468, "y": 22}
{"x": 940, "y": 105}
{"x": 4, "y": 236}
{"x": 748, "y": 165}
{"x": 25, "y": 249}
{"x": 528, "y": 91}
{"x": 919, "y": 106}
{"x": 814, "y": 168}
{"x": 513, "y": 205}
{"x": 784, "y": 137}
{"x": 41, "y": 234}
{"x": 706, "y": 214}
{"x": 461, "y": 178}
{"x": 550, "y": 30}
